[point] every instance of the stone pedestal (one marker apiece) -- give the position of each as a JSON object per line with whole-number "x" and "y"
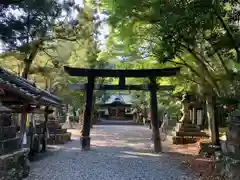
{"x": 230, "y": 168}
{"x": 186, "y": 133}
{"x": 85, "y": 143}
{"x": 14, "y": 162}
{"x": 206, "y": 149}
{"x": 14, "y": 166}
{"x": 57, "y": 135}
{"x": 36, "y": 146}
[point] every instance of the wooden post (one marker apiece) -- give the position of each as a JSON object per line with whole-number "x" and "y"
{"x": 122, "y": 81}
{"x": 216, "y": 116}
{"x": 191, "y": 115}
{"x": 31, "y": 135}
{"x": 23, "y": 123}
{"x": 194, "y": 115}
{"x": 154, "y": 115}
{"x": 85, "y": 139}
{"x": 44, "y": 138}
{"x": 67, "y": 121}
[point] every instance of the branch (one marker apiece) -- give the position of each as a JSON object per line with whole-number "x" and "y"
{"x": 192, "y": 70}
{"x": 203, "y": 65}
{"x": 229, "y": 33}
{"x": 203, "y": 59}
{"x": 189, "y": 79}
{"x": 220, "y": 58}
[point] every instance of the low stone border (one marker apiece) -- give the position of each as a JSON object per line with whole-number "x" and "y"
{"x": 229, "y": 168}
{"x": 184, "y": 140}
{"x": 59, "y": 138}
{"x": 14, "y": 166}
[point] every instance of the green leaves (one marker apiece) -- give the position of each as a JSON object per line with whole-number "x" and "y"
{"x": 199, "y": 35}
{"x": 30, "y": 20}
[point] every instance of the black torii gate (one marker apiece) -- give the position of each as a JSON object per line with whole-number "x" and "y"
{"x": 89, "y": 87}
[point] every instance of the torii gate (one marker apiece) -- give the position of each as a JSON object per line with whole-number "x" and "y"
{"x": 89, "y": 87}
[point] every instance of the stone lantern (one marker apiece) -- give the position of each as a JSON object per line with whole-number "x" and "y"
{"x": 231, "y": 149}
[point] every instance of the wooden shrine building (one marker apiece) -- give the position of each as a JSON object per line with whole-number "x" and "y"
{"x": 18, "y": 97}
{"x": 89, "y": 87}
{"x": 115, "y": 109}
{"x": 23, "y": 97}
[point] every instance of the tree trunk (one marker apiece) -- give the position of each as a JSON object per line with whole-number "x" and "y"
{"x": 212, "y": 119}
{"x": 154, "y": 116}
{"x": 194, "y": 113}
{"x": 28, "y": 61}
{"x": 27, "y": 65}
{"x": 185, "y": 110}
{"x": 23, "y": 124}
{"x": 93, "y": 110}
{"x": 68, "y": 115}
{"x": 204, "y": 122}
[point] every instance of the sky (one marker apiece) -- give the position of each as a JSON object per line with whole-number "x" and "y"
{"x": 103, "y": 30}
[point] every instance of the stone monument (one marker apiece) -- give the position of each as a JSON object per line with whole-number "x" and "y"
{"x": 231, "y": 149}
{"x": 14, "y": 162}
{"x": 57, "y": 134}
{"x": 185, "y": 131}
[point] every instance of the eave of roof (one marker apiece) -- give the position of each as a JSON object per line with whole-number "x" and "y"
{"x": 26, "y": 89}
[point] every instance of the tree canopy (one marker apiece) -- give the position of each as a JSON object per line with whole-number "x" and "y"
{"x": 200, "y": 36}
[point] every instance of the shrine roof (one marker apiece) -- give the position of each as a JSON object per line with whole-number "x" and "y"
{"x": 115, "y": 104}
{"x": 117, "y": 101}
{"x": 16, "y": 90}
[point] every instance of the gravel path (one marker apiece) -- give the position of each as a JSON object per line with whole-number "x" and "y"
{"x": 118, "y": 153}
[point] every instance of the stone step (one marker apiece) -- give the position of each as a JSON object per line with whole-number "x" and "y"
{"x": 192, "y": 129}
{"x": 53, "y": 123}
{"x": 56, "y": 126}
{"x": 184, "y": 140}
{"x": 180, "y": 125}
{"x": 10, "y": 145}
{"x": 7, "y": 132}
{"x": 192, "y": 134}
{"x": 57, "y": 131}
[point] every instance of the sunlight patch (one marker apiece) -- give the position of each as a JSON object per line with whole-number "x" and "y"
{"x": 141, "y": 154}
{"x": 127, "y": 156}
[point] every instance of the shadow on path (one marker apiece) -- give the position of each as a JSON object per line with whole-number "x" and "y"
{"x": 117, "y": 153}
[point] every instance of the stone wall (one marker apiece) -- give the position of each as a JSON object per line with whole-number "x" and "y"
{"x": 230, "y": 168}
{"x": 14, "y": 166}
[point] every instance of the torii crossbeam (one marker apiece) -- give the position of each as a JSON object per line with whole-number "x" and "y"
{"x": 117, "y": 87}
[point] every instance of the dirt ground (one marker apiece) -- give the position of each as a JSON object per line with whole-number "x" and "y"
{"x": 188, "y": 155}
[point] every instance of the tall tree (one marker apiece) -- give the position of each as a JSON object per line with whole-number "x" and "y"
{"x": 29, "y": 26}
{"x": 186, "y": 33}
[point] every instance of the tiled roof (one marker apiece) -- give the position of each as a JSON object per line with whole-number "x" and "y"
{"x": 4, "y": 109}
{"x": 125, "y": 99}
{"x": 26, "y": 89}
{"x": 117, "y": 99}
